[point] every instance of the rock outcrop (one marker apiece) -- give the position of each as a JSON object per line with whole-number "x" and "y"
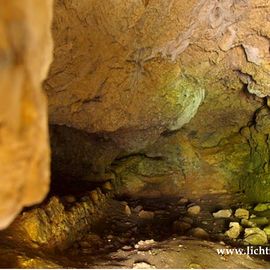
{"x": 25, "y": 55}
{"x": 167, "y": 91}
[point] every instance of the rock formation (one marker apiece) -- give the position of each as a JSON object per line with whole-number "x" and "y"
{"x": 167, "y": 89}
{"x": 25, "y": 55}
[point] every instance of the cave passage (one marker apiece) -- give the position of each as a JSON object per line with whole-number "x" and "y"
{"x": 135, "y": 134}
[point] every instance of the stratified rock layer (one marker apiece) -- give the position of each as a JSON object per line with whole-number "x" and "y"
{"x": 25, "y": 55}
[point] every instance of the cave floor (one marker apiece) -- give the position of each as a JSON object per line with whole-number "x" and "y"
{"x": 139, "y": 234}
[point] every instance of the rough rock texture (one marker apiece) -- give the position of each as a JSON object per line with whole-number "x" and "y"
{"x": 132, "y": 73}
{"x": 25, "y": 55}
{"x": 58, "y": 224}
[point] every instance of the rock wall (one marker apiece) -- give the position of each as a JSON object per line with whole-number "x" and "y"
{"x": 167, "y": 85}
{"x": 25, "y": 55}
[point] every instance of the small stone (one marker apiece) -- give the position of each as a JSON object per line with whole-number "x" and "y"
{"x": 267, "y": 231}
{"x": 255, "y": 236}
{"x": 248, "y": 223}
{"x": 224, "y": 213}
{"x": 85, "y": 244}
{"x": 127, "y": 248}
{"x": 183, "y": 201}
{"x": 146, "y": 214}
{"x": 194, "y": 210}
{"x": 188, "y": 220}
{"x": 70, "y": 199}
{"x": 234, "y": 231}
{"x": 127, "y": 210}
{"x": 110, "y": 237}
{"x": 107, "y": 186}
{"x": 260, "y": 220}
{"x": 145, "y": 245}
{"x": 200, "y": 233}
{"x": 242, "y": 213}
{"x": 160, "y": 212}
{"x": 181, "y": 226}
{"x": 194, "y": 266}
{"x": 143, "y": 265}
{"x": 262, "y": 207}
{"x": 94, "y": 196}
{"x": 138, "y": 208}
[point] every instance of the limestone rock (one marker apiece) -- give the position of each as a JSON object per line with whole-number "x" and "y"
{"x": 242, "y": 213}
{"x": 248, "y": 223}
{"x": 146, "y": 214}
{"x": 194, "y": 210}
{"x": 183, "y": 201}
{"x": 267, "y": 231}
{"x": 128, "y": 84}
{"x": 259, "y": 220}
{"x": 143, "y": 265}
{"x": 200, "y": 233}
{"x": 181, "y": 226}
{"x": 262, "y": 207}
{"x": 26, "y": 52}
{"x": 255, "y": 236}
{"x": 145, "y": 244}
{"x": 51, "y": 225}
{"x": 127, "y": 210}
{"x": 224, "y": 213}
{"x": 234, "y": 230}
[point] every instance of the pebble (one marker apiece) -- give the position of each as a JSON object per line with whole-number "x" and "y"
{"x": 107, "y": 186}
{"x": 262, "y": 207}
{"x": 194, "y": 266}
{"x": 248, "y": 223}
{"x": 200, "y": 233}
{"x": 194, "y": 210}
{"x": 127, "y": 210}
{"x": 70, "y": 199}
{"x": 181, "y": 226}
{"x": 234, "y": 231}
{"x": 85, "y": 244}
{"x": 183, "y": 201}
{"x": 259, "y": 220}
{"x": 242, "y": 213}
{"x": 188, "y": 220}
{"x": 94, "y": 196}
{"x": 143, "y": 265}
{"x": 267, "y": 231}
{"x": 146, "y": 214}
{"x": 127, "y": 248}
{"x": 145, "y": 245}
{"x": 138, "y": 208}
{"x": 255, "y": 236}
{"x": 224, "y": 213}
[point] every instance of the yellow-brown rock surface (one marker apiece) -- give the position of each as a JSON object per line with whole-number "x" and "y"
{"x": 25, "y": 55}
{"x": 130, "y": 72}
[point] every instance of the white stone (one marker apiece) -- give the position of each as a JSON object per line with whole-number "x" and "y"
{"x": 224, "y": 213}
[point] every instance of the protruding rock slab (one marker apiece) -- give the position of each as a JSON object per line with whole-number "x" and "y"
{"x": 25, "y": 55}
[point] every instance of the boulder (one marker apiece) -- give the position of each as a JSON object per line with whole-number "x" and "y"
{"x": 255, "y": 236}
{"x": 25, "y": 55}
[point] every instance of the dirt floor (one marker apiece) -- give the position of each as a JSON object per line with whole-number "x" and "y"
{"x": 157, "y": 233}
